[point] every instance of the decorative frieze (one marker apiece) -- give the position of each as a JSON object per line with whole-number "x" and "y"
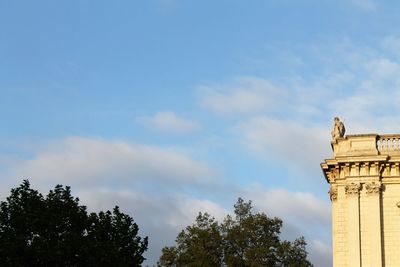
{"x": 366, "y": 166}
{"x": 333, "y": 192}
{"x": 341, "y": 171}
{"x": 352, "y": 189}
{"x": 373, "y": 188}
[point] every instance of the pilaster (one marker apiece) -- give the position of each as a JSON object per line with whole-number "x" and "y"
{"x": 333, "y": 194}
{"x": 374, "y": 218}
{"x": 353, "y": 209}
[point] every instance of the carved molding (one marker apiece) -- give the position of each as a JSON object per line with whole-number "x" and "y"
{"x": 352, "y": 189}
{"x": 333, "y": 193}
{"x": 333, "y": 175}
{"x": 367, "y": 168}
{"x": 373, "y": 188}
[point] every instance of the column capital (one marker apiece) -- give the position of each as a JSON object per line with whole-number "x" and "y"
{"x": 333, "y": 193}
{"x": 352, "y": 189}
{"x": 373, "y": 188}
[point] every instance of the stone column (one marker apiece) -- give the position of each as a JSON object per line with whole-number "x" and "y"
{"x": 353, "y": 202}
{"x": 374, "y": 215}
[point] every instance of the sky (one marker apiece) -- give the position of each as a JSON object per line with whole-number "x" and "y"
{"x": 171, "y": 107}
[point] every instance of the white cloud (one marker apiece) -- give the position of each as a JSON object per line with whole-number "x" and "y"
{"x": 279, "y": 140}
{"x": 383, "y": 68}
{"x": 370, "y": 103}
{"x": 320, "y": 252}
{"x": 245, "y": 95}
{"x": 370, "y": 5}
{"x": 87, "y": 161}
{"x": 174, "y": 211}
{"x": 391, "y": 44}
{"x": 168, "y": 121}
{"x": 300, "y": 208}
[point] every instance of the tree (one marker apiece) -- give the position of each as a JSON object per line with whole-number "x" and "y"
{"x": 56, "y": 231}
{"x": 198, "y": 245}
{"x": 246, "y": 240}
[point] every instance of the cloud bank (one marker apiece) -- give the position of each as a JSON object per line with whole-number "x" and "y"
{"x": 244, "y": 95}
{"x": 167, "y": 121}
{"x": 161, "y": 188}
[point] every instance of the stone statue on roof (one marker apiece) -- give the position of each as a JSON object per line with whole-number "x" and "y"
{"x": 338, "y": 129}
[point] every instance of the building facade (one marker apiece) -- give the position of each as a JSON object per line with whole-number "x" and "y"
{"x": 364, "y": 178}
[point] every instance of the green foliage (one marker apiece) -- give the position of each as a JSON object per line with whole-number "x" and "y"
{"x": 248, "y": 240}
{"x": 57, "y": 231}
{"x": 198, "y": 245}
{"x": 293, "y": 253}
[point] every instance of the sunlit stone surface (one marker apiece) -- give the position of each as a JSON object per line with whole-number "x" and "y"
{"x": 364, "y": 176}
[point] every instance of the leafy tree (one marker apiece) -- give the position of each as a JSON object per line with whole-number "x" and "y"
{"x": 169, "y": 257}
{"x": 198, "y": 245}
{"x": 114, "y": 240}
{"x": 56, "y": 231}
{"x": 293, "y": 253}
{"x": 246, "y": 240}
{"x": 251, "y": 239}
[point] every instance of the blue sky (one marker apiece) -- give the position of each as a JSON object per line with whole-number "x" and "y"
{"x": 171, "y": 107}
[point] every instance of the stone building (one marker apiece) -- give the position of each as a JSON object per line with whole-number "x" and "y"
{"x": 364, "y": 175}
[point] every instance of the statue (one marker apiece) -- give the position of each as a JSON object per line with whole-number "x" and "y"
{"x": 338, "y": 129}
